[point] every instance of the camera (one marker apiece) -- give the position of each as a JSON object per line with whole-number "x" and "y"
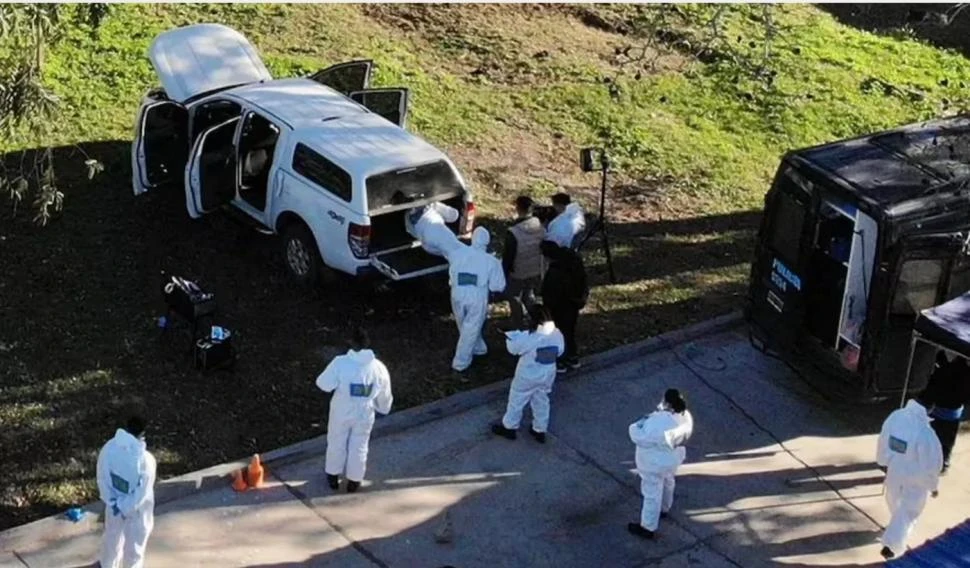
{"x": 544, "y": 213}
{"x": 593, "y": 160}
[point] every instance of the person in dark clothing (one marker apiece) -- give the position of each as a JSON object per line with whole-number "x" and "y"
{"x": 564, "y": 291}
{"x": 948, "y": 391}
{"x": 522, "y": 261}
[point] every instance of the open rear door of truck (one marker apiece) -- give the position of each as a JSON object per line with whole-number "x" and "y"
{"x": 407, "y": 262}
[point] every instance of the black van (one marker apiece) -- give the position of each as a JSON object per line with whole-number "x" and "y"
{"x": 857, "y": 237}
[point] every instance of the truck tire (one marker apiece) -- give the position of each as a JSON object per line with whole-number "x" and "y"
{"x": 301, "y": 258}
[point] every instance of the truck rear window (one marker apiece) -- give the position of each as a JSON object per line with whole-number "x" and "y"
{"x": 322, "y": 172}
{"x": 421, "y": 182}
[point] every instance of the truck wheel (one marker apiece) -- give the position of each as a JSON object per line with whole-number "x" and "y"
{"x": 301, "y": 259}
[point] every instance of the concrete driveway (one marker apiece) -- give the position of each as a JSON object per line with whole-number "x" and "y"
{"x": 776, "y": 475}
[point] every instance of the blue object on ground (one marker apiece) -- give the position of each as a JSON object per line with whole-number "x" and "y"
{"x": 949, "y": 550}
{"x": 163, "y": 322}
{"x": 75, "y": 514}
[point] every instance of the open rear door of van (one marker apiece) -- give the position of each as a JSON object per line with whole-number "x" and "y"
{"x": 917, "y": 276}
{"x": 777, "y": 284}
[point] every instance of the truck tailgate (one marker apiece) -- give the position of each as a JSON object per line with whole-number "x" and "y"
{"x": 407, "y": 262}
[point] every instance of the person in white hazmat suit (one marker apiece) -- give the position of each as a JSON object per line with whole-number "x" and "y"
{"x": 568, "y": 224}
{"x": 473, "y": 274}
{"x": 911, "y": 455}
{"x": 534, "y": 376}
{"x": 660, "y": 439}
{"x": 361, "y": 386}
{"x": 126, "y": 483}
{"x": 428, "y": 225}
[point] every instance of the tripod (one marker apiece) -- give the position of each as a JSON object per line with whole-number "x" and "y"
{"x": 599, "y": 226}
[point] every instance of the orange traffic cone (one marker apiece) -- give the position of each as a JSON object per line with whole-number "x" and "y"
{"x": 238, "y": 483}
{"x": 255, "y": 472}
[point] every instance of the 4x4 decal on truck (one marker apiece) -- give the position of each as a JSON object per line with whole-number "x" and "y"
{"x": 338, "y": 218}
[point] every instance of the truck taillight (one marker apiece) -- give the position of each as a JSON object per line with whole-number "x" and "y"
{"x": 358, "y": 237}
{"x": 469, "y": 222}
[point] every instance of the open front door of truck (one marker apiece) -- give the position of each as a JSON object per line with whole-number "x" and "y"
{"x": 161, "y": 146}
{"x": 210, "y": 179}
{"x": 915, "y": 277}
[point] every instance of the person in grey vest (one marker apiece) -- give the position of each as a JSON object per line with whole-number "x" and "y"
{"x": 522, "y": 261}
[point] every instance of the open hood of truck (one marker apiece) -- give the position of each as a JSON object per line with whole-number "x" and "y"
{"x": 202, "y": 58}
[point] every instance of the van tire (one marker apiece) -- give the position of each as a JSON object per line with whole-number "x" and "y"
{"x": 300, "y": 255}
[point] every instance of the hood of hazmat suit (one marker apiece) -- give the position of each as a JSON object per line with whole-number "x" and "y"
{"x": 481, "y": 239}
{"x": 909, "y": 448}
{"x": 126, "y": 474}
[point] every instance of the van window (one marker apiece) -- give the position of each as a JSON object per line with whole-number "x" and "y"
{"x": 430, "y": 180}
{"x": 322, "y": 172}
{"x": 918, "y": 285}
{"x": 788, "y": 219}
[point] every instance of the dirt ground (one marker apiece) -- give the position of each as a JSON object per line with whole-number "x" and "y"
{"x": 80, "y": 346}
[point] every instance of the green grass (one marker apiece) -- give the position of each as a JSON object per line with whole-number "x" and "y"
{"x": 720, "y": 148}
{"x": 511, "y": 92}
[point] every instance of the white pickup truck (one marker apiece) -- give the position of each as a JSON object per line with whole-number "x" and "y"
{"x": 316, "y": 160}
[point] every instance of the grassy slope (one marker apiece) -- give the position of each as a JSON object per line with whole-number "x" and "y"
{"x": 510, "y": 92}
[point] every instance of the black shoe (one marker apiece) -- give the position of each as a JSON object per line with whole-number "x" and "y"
{"x": 637, "y": 530}
{"x": 504, "y": 432}
{"x": 333, "y": 481}
{"x": 664, "y": 514}
{"x": 539, "y": 436}
{"x": 573, "y": 363}
{"x": 561, "y": 368}
{"x": 352, "y": 486}
{"x": 886, "y": 553}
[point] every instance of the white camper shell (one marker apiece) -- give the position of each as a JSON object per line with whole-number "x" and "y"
{"x": 315, "y": 159}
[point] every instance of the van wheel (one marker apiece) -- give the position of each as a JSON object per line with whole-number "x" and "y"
{"x": 301, "y": 259}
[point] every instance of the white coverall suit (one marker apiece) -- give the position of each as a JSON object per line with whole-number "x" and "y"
{"x": 534, "y": 374}
{"x": 473, "y": 273}
{"x": 911, "y": 452}
{"x": 659, "y": 438}
{"x": 564, "y": 227}
{"x": 126, "y": 483}
{"x": 360, "y": 385}
{"x": 427, "y": 225}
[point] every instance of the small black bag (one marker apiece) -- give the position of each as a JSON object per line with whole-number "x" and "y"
{"x": 211, "y": 354}
{"x": 187, "y": 300}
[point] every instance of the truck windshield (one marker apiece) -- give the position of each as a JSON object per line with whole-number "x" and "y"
{"x": 436, "y": 179}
